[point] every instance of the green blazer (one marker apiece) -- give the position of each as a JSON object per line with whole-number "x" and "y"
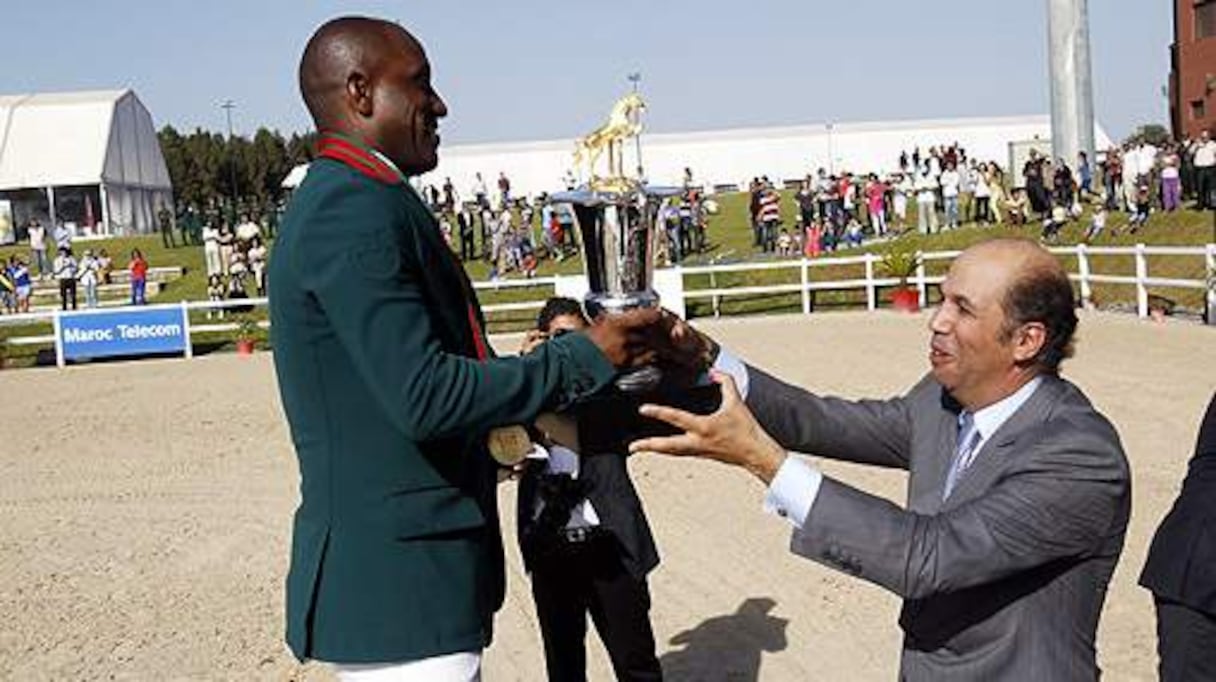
{"x": 396, "y": 553}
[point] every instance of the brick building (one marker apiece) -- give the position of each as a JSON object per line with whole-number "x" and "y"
{"x": 1193, "y": 68}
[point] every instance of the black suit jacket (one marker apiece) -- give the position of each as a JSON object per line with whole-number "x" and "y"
{"x": 1183, "y": 554}
{"x": 616, "y": 502}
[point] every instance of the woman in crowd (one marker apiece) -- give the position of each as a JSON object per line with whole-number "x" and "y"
{"x": 257, "y": 264}
{"x": 995, "y": 179}
{"x": 23, "y": 283}
{"x": 1171, "y": 181}
{"x": 88, "y": 274}
{"x": 983, "y": 195}
{"x": 138, "y": 268}
{"x": 105, "y": 267}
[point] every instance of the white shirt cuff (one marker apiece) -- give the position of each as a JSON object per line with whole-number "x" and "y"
{"x": 728, "y": 363}
{"x": 793, "y": 491}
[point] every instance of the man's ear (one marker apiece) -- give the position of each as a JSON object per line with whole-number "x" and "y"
{"x": 359, "y": 93}
{"x": 1028, "y": 340}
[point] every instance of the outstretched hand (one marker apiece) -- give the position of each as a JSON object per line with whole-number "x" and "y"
{"x": 730, "y": 435}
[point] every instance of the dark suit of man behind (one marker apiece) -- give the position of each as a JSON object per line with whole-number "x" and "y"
{"x": 1181, "y": 568}
{"x": 590, "y": 549}
{"x": 1004, "y": 574}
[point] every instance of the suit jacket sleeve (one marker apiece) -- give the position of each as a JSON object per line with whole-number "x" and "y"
{"x": 370, "y": 283}
{"x": 876, "y": 432}
{"x": 1063, "y": 500}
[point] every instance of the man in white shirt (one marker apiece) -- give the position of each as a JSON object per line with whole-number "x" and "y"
{"x": 1018, "y": 494}
{"x": 37, "y": 235}
{"x": 1203, "y": 155}
{"x": 950, "y": 180}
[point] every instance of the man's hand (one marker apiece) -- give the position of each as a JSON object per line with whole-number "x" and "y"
{"x": 532, "y": 341}
{"x": 730, "y": 435}
{"x": 627, "y": 339}
{"x": 685, "y": 347}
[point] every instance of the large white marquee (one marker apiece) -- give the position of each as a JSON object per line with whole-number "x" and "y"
{"x": 90, "y": 160}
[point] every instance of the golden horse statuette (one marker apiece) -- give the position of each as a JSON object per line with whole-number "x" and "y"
{"x": 623, "y": 123}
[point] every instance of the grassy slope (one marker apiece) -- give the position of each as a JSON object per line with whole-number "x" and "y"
{"x": 730, "y": 241}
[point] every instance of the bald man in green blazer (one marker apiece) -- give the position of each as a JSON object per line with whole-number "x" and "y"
{"x": 388, "y": 383}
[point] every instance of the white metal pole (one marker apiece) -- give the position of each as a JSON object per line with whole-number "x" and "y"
{"x": 921, "y": 288}
{"x": 1083, "y": 271}
{"x": 186, "y": 330}
{"x": 806, "y": 284}
{"x": 1141, "y": 287}
{"x": 105, "y": 210}
{"x": 1069, "y": 72}
{"x": 59, "y": 360}
{"x": 871, "y": 299}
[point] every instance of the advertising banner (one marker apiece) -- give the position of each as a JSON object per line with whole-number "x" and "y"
{"x": 122, "y": 332}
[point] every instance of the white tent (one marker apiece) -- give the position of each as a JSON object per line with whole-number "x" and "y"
{"x": 89, "y": 159}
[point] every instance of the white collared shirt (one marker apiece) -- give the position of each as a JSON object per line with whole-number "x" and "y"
{"x": 989, "y": 419}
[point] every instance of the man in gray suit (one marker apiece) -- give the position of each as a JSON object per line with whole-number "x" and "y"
{"x": 1018, "y": 495}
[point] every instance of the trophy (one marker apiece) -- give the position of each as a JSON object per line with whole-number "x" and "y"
{"x": 615, "y": 220}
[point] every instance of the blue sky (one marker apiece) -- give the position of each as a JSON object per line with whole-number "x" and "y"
{"x": 545, "y": 69}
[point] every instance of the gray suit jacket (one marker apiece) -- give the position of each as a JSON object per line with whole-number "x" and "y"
{"x": 1005, "y": 579}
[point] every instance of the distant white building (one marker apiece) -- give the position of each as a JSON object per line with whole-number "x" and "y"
{"x": 732, "y": 157}
{"x": 90, "y": 159}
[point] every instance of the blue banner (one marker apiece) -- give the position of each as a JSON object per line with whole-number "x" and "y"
{"x": 128, "y": 331}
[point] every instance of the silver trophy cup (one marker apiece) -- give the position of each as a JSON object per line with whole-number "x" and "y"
{"x": 616, "y": 231}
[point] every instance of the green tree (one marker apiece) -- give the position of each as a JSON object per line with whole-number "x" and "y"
{"x": 1152, "y": 133}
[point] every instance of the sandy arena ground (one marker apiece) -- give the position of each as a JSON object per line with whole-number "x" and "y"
{"x": 146, "y": 511}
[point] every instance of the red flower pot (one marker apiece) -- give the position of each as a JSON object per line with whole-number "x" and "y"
{"x": 905, "y": 299}
{"x": 244, "y": 347}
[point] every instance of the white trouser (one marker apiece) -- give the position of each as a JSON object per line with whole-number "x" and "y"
{"x": 460, "y": 667}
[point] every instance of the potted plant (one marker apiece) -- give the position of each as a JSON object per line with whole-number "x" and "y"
{"x": 901, "y": 262}
{"x": 246, "y": 330}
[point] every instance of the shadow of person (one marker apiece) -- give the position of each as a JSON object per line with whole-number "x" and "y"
{"x": 727, "y": 648}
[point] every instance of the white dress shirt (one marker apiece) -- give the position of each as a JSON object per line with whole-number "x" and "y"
{"x": 796, "y": 485}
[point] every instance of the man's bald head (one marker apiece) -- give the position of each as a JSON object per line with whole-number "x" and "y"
{"x": 370, "y": 79}
{"x": 343, "y": 48}
{"x": 1036, "y": 290}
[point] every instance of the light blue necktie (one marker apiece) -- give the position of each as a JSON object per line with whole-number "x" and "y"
{"x": 968, "y": 438}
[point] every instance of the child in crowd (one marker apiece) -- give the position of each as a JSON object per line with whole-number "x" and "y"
{"x": 1143, "y": 199}
{"x": 785, "y": 243}
{"x": 812, "y": 245}
{"x": 1096, "y": 225}
{"x": 215, "y": 294}
{"x": 854, "y": 235}
{"x": 1054, "y": 223}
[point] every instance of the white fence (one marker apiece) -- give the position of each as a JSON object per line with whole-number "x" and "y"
{"x": 1083, "y": 274}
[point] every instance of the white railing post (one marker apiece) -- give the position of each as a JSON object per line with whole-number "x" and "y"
{"x": 1141, "y": 287}
{"x": 715, "y": 301}
{"x": 1083, "y": 273}
{"x": 59, "y": 360}
{"x": 871, "y": 294}
{"x": 921, "y": 289}
{"x": 186, "y": 330}
{"x": 806, "y": 287}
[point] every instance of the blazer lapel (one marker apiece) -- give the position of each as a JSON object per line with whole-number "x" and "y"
{"x": 999, "y": 449}
{"x": 930, "y": 477}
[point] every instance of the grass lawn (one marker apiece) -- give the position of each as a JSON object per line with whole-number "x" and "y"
{"x": 730, "y": 240}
